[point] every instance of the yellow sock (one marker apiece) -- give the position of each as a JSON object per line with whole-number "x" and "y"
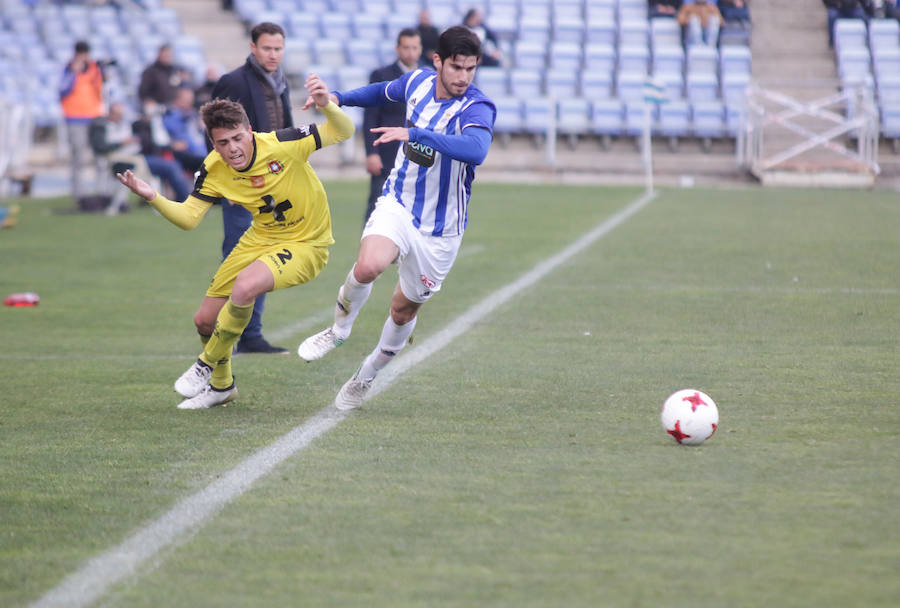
{"x": 230, "y": 325}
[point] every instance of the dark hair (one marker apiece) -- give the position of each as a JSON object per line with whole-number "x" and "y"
{"x": 458, "y": 40}
{"x": 266, "y": 27}
{"x": 223, "y": 114}
{"x": 82, "y": 47}
{"x": 407, "y": 32}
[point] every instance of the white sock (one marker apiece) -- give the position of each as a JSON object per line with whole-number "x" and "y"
{"x": 393, "y": 338}
{"x": 351, "y": 298}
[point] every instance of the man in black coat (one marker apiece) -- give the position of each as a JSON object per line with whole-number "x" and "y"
{"x": 260, "y": 86}
{"x": 380, "y": 160}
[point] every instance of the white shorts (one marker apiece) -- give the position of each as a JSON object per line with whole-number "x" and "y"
{"x": 425, "y": 261}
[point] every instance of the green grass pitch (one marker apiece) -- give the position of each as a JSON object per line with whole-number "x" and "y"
{"x": 524, "y": 464}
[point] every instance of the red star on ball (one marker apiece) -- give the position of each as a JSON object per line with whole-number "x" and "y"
{"x": 694, "y": 400}
{"x": 676, "y": 432}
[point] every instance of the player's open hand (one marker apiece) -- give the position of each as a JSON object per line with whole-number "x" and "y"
{"x": 390, "y": 134}
{"x": 137, "y": 185}
{"x": 318, "y": 92}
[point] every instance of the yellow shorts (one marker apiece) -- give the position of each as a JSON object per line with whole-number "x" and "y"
{"x": 291, "y": 264}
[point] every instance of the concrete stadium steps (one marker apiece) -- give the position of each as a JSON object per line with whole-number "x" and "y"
{"x": 224, "y": 37}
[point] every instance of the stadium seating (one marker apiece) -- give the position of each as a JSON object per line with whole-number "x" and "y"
{"x": 594, "y": 52}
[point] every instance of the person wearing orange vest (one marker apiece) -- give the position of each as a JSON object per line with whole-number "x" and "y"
{"x": 81, "y": 97}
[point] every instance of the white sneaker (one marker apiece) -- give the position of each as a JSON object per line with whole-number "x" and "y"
{"x": 353, "y": 393}
{"x": 209, "y": 397}
{"x": 319, "y": 345}
{"x": 191, "y": 382}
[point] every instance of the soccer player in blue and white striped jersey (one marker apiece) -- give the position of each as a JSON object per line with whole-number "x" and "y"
{"x": 421, "y": 215}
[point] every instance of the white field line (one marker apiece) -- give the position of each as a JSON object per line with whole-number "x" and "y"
{"x": 90, "y": 582}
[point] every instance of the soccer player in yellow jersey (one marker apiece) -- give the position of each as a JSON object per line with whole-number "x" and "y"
{"x": 286, "y": 244}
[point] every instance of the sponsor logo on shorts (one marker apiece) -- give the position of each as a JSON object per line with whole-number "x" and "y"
{"x": 427, "y": 282}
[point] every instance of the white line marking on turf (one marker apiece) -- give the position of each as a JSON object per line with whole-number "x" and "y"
{"x": 87, "y": 584}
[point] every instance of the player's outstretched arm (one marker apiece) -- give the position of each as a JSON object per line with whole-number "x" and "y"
{"x": 186, "y": 215}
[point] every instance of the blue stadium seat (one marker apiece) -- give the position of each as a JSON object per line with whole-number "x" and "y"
{"x": 328, "y": 51}
{"x": 565, "y": 56}
{"x": 886, "y": 61}
{"x": 601, "y": 30}
{"x": 525, "y": 83}
{"x": 701, "y": 87}
{"x": 673, "y": 83}
{"x": 247, "y": 10}
{"x": 634, "y": 118}
{"x": 335, "y": 25}
{"x": 673, "y": 121}
{"x": 561, "y": 84}
{"x": 367, "y": 26}
{"x": 363, "y": 52}
{"x": 735, "y": 58}
{"x": 630, "y": 85}
{"x": 509, "y": 115}
{"x": 504, "y": 18}
{"x": 668, "y": 58}
{"x": 850, "y": 33}
{"x": 298, "y": 56}
{"x": 702, "y": 59}
{"x": 632, "y": 10}
{"x": 494, "y": 82}
{"x": 535, "y": 9}
{"x": 734, "y": 118}
{"x": 285, "y": 7}
{"x": 607, "y": 118}
{"x": 883, "y": 33}
{"x": 573, "y": 118}
{"x": 531, "y": 55}
{"x": 888, "y": 87}
{"x": 444, "y": 16}
{"x": 633, "y": 32}
{"x": 854, "y": 66}
{"x": 708, "y": 119}
{"x": 327, "y": 73}
{"x": 596, "y": 84}
{"x": 634, "y": 58}
{"x": 890, "y": 119}
{"x": 378, "y": 8}
{"x": 734, "y": 87}
{"x": 534, "y": 30}
{"x": 568, "y": 29}
{"x": 664, "y": 31}
{"x": 600, "y": 57}
{"x": 350, "y": 77}
{"x": 600, "y": 9}
{"x": 537, "y": 112}
{"x": 568, "y": 9}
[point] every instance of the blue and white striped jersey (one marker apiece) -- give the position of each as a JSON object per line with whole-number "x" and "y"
{"x": 431, "y": 177}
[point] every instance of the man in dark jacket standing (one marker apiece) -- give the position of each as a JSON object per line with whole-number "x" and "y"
{"x": 380, "y": 160}
{"x": 260, "y": 86}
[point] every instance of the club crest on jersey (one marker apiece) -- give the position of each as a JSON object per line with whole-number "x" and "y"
{"x": 275, "y": 167}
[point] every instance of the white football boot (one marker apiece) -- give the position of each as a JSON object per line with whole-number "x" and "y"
{"x": 317, "y": 346}
{"x": 209, "y": 397}
{"x": 191, "y": 382}
{"x": 353, "y": 393}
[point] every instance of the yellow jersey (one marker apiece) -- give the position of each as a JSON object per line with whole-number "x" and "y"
{"x": 279, "y": 187}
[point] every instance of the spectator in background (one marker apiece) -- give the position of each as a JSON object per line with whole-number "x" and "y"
{"x": 261, "y": 88}
{"x": 380, "y": 160}
{"x": 162, "y": 78}
{"x": 428, "y": 34}
{"x": 81, "y": 97}
{"x": 735, "y": 10}
{"x": 700, "y": 20}
{"x": 664, "y": 8}
{"x": 203, "y": 93}
{"x": 491, "y": 53}
{"x": 182, "y": 123}
{"x": 111, "y": 136}
{"x": 842, "y": 9}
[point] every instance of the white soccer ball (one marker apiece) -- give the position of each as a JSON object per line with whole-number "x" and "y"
{"x": 690, "y": 416}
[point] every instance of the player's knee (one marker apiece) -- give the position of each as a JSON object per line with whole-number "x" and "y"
{"x": 204, "y": 323}
{"x": 366, "y": 271}
{"x": 403, "y": 314}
